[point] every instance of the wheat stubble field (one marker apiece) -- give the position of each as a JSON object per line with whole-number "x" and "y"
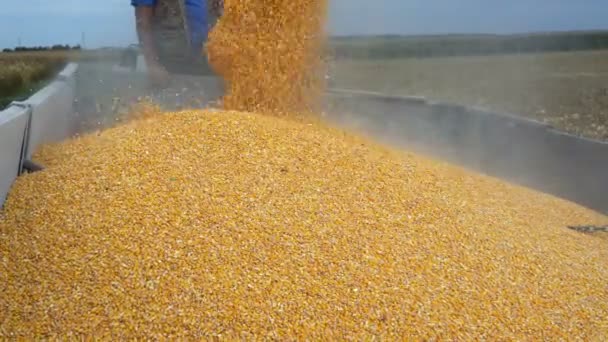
{"x": 567, "y": 90}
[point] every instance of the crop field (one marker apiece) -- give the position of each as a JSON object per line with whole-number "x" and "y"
{"x": 568, "y": 90}
{"x": 24, "y": 73}
{"x": 21, "y": 74}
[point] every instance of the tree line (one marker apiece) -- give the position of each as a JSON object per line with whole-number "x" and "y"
{"x": 56, "y": 47}
{"x": 391, "y": 46}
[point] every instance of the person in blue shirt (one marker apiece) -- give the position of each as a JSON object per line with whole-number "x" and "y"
{"x": 172, "y": 33}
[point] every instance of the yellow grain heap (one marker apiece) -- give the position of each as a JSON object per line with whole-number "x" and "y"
{"x": 268, "y": 52}
{"x": 201, "y": 224}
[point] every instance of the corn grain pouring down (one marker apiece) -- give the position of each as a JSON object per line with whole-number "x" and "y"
{"x": 241, "y": 225}
{"x": 269, "y": 54}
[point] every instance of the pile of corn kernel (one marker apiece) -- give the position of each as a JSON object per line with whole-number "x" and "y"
{"x": 269, "y": 54}
{"x": 234, "y": 225}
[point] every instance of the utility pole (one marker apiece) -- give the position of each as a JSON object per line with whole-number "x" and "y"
{"x": 19, "y": 41}
{"x": 82, "y": 40}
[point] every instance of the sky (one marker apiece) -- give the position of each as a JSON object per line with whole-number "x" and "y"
{"x": 110, "y": 22}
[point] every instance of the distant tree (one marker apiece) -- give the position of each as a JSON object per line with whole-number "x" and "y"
{"x": 453, "y": 45}
{"x": 60, "y": 47}
{"x": 7, "y": 50}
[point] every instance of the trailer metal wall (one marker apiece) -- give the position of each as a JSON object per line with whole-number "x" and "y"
{"x": 500, "y": 145}
{"x": 52, "y": 110}
{"x": 24, "y": 126}
{"x": 13, "y": 122}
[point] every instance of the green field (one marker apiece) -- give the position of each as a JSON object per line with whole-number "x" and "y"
{"x": 568, "y": 90}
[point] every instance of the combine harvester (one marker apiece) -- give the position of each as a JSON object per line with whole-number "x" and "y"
{"x": 88, "y": 96}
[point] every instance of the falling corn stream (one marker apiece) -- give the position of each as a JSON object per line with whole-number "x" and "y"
{"x": 253, "y": 223}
